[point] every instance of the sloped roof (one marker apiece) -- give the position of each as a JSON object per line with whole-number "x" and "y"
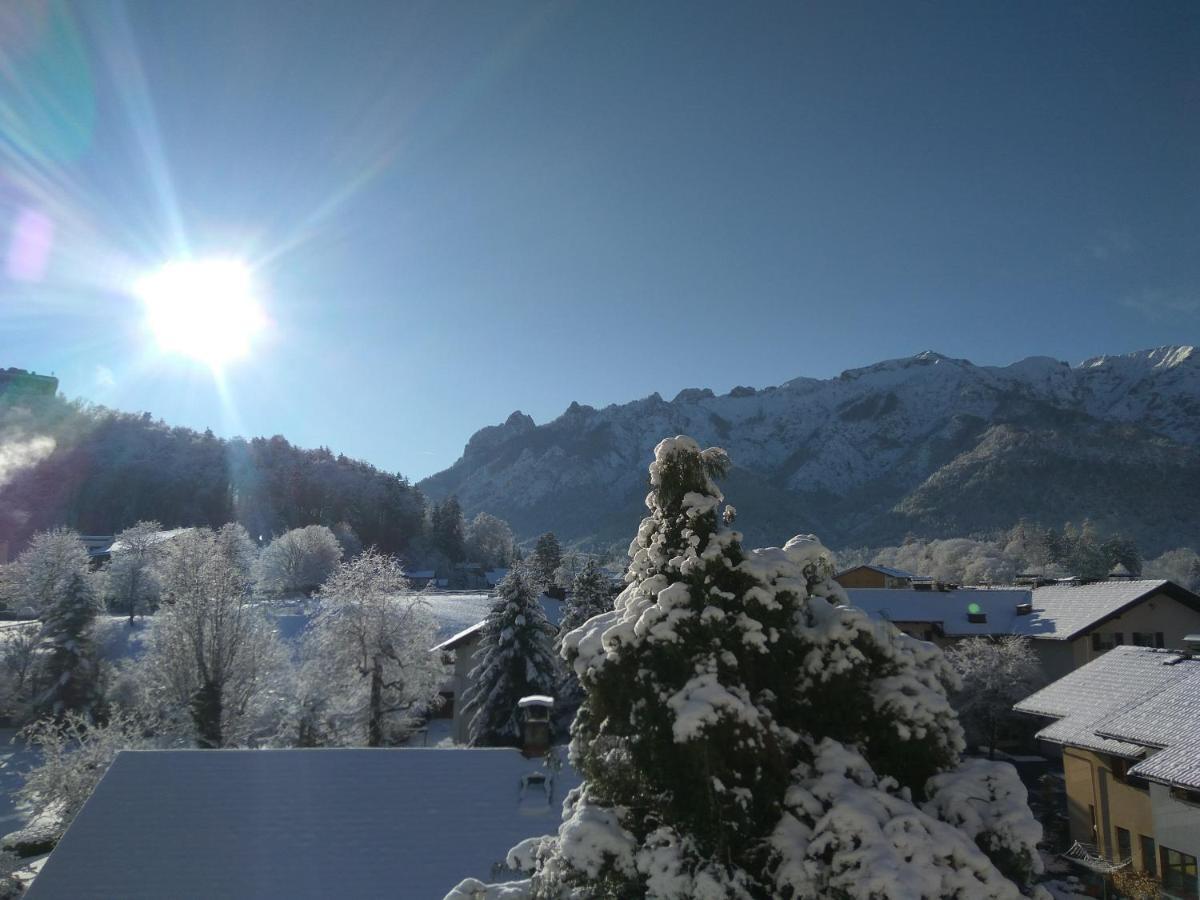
{"x": 553, "y": 609}
{"x": 1169, "y": 719}
{"x": 947, "y": 609}
{"x": 885, "y": 570}
{"x": 1111, "y": 684}
{"x": 1070, "y": 609}
{"x": 299, "y": 823}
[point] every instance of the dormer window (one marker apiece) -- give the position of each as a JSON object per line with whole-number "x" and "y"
{"x": 1024, "y": 609}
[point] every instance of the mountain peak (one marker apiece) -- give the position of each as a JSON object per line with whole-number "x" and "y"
{"x": 1166, "y": 357}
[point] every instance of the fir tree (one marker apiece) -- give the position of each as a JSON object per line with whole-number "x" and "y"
{"x": 515, "y": 659}
{"x": 71, "y": 671}
{"x": 591, "y": 594}
{"x": 746, "y": 734}
{"x": 545, "y": 560}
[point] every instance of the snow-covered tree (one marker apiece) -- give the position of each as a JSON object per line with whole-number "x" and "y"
{"x": 349, "y": 540}
{"x": 544, "y": 562}
{"x": 489, "y": 541}
{"x": 19, "y": 658}
{"x": 74, "y": 755}
{"x": 132, "y": 580}
{"x": 1181, "y": 566}
{"x": 591, "y": 594}
{"x": 41, "y": 574}
{"x": 515, "y": 659}
{"x": 297, "y": 561}
{"x": 447, "y": 531}
{"x": 70, "y": 668}
{"x": 995, "y": 674}
{"x": 368, "y": 671}
{"x": 212, "y": 651}
{"x": 744, "y": 734}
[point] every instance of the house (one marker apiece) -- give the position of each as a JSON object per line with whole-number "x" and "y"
{"x": 872, "y": 576}
{"x": 1069, "y": 624}
{"x": 460, "y": 650}
{"x": 1128, "y": 724}
{"x": 301, "y": 823}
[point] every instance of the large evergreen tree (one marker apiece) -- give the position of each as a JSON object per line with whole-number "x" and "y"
{"x": 71, "y": 671}
{"x": 545, "y": 560}
{"x": 745, "y": 734}
{"x": 591, "y": 594}
{"x": 515, "y": 659}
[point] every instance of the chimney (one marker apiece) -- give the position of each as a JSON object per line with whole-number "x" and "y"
{"x": 535, "y": 724}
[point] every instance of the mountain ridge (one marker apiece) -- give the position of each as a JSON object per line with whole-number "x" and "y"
{"x": 854, "y": 456}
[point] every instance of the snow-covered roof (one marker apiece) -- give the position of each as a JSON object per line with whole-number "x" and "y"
{"x": 1168, "y": 719}
{"x": 885, "y": 570}
{"x": 1070, "y": 609}
{"x": 158, "y": 537}
{"x": 454, "y": 612}
{"x": 300, "y": 823}
{"x": 948, "y": 609}
{"x": 1083, "y": 702}
{"x": 553, "y": 609}
{"x": 535, "y": 700}
{"x": 1058, "y": 612}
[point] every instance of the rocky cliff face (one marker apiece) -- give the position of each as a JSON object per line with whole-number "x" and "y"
{"x": 927, "y": 445}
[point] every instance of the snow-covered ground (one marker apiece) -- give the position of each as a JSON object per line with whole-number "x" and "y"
{"x": 15, "y": 760}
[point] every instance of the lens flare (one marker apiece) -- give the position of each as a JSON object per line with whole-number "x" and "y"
{"x": 202, "y": 309}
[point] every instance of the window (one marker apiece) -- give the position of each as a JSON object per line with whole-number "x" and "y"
{"x": 1143, "y": 639}
{"x": 1149, "y": 861}
{"x": 1102, "y": 643}
{"x": 1178, "y": 873}
{"x": 1124, "y": 845}
{"x": 1158, "y": 639}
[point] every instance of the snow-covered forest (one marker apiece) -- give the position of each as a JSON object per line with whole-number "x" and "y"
{"x": 1028, "y": 549}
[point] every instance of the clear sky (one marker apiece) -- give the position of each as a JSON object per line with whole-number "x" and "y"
{"x": 458, "y": 209}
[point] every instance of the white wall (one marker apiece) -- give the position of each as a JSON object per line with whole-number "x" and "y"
{"x": 1176, "y": 824}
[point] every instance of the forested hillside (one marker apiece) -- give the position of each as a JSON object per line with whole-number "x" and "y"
{"x": 98, "y": 471}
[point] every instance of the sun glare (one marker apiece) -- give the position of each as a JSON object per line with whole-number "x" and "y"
{"x": 202, "y": 309}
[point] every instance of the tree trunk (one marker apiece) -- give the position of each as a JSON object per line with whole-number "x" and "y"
{"x": 375, "y": 722}
{"x": 206, "y": 714}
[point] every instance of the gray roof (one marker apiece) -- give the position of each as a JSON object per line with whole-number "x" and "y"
{"x": 300, "y": 823}
{"x": 1111, "y": 684}
{"x": 1178, "y": 765}
{"x": 1060, "y": 612}
{"x": 948, "y": 609}
{"x": 1168, "y": 719}
{"x": 886, "y": 570}
{"x": 1070, "y": 609}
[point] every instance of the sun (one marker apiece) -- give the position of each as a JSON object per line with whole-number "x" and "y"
{"x": 204, "y": 309}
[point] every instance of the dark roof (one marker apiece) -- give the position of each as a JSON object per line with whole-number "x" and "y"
{"x": 883, "y": 570}
{"x": 300, "y": 823}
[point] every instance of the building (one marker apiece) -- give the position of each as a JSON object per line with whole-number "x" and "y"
{"x": 1128, "y": 724}
{"x": 874, "y": 577}
{"x": 301, "y": 823}
{"x": 459, "y": 650}
{"x": 1069, "y": 624}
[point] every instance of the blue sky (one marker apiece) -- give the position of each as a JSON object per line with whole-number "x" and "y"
{"x": 455, "y": 210}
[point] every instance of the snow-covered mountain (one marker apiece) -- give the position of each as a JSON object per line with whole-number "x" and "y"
{"x": 927, "y": 445}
